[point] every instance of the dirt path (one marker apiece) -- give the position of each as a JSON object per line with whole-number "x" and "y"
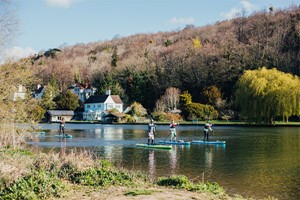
{"x": 123, "y": 193}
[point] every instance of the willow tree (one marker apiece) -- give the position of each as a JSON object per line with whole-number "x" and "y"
{"x": 264, "y": 94}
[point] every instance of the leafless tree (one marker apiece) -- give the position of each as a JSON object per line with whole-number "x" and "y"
{"x": 8, "y": 24}
{"x": 171, "y": 97}
{"x": 160, "y": 105}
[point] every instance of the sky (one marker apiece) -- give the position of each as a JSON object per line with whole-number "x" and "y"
{"x": 46, "y": 24}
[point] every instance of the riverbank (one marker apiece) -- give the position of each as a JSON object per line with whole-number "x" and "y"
{"x": 79, "y": 175}
{"x": 201, "y": 123}
{"x": 139, "y": 193}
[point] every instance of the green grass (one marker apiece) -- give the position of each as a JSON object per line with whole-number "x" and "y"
{"x": 182, "y": 182}
{"x": 139, "y": 192}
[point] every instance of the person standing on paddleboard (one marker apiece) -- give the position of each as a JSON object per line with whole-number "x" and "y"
{"x": 207, "y": 128}
{"x": 151, "y": 132}
{"x": 173, "y": 131}
{"x": 62, "y": 126}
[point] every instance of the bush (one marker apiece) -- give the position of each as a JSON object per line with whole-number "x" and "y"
{"x": 174, "y": 181}
{"x": 37, "y": 185}
{"x": 201, "y": 111}
{"x": 175, "y": 117}
{"x": 182, "y": 182}
{"x": 159, "y": 116}
{"x": 129, "y": 119}
{"x": 100, "y": 177}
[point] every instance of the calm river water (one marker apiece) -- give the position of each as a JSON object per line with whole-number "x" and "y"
{"x": 255, "y": 162}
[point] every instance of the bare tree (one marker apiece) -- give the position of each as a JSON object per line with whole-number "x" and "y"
{"x": 8, "y": 24}
{"x": 171, "y": 97}
{"x": 62, "y": 73}
{"x": 239, "y": 27}
{"x": 160, "y": 105}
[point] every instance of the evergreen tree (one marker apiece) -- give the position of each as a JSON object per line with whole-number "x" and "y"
{"x": 67, "y": 101}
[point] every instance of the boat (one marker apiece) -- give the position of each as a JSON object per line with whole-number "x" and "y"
{"x": 64, "y": 136}
{"x": 208, "y": 142}
{"x": 180, "y": 142}
{"x": 155, "y": 146}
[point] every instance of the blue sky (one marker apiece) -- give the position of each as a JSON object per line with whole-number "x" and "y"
{"x": 48, "y": 24}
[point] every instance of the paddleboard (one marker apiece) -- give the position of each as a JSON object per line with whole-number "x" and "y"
{"x": 39, "y": 133}
{"x": 155, "y": 146}
{"x": 64, "y": 136}
{"x": 207, "y": 142}
{"x": 175, "y": 143}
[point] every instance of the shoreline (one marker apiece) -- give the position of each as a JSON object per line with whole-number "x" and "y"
{"x": 80, "y": 176}
{"x": 236, "y": 124}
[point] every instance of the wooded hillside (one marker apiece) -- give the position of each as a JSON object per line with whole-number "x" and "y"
{"x": 141, "y": 67}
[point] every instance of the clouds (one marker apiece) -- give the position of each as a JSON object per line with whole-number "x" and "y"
{"x": 176, "y": 20}
{"x": 60, "y": 3}
{"x": 16, "y": 53}
{"x": 245, "y": 6}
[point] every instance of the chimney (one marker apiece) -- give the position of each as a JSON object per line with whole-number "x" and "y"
{"x": 20, "y": 88}
{"x": 108, "y": 92}
{"x": 86, "y": 83}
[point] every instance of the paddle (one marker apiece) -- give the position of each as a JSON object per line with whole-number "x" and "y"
{"x": 167, "y": 136}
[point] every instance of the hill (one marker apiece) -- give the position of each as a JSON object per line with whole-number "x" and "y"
{"x": 142, "y": 66}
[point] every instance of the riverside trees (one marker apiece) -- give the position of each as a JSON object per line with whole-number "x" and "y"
{"x": 264, "y": 94}
{"x": 18, "y": 111}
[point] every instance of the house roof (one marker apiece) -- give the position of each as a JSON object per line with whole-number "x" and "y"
{"x": 61, "y": 112}
{"x": 102, "y": 99}
{"x": 96, "y": 99}
{"x": 116, "y": 98}
{"x": 85, "y": 85}
{"x": 39, "y": 90}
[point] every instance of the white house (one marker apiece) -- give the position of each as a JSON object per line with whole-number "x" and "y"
{"x": 39, "y": 92}
{"x": 95, "y": 106}
{"x": 57, "y": 115}
{"x": 20, "y": 92}
{"x": 83, "y": 91}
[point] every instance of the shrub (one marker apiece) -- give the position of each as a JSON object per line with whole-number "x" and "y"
{"x": 100, "y": 177}
{"x": 182, "y": 182}
{"x": 129, "y": 119}
{"x": 37, "y": 185}
{"x": 174, "y": 181}
{"x": 172, "y": 116}
{"x": 159, "y": 116}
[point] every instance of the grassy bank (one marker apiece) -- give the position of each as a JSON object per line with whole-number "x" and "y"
{"x": 35, "y": 175}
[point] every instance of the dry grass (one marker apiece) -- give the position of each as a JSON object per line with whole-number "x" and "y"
{"x": 14, "y": 165}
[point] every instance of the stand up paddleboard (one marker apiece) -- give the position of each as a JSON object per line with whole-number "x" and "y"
{"x": 64, "y": 136}
{"x": 175, "y": 143}
{"x": 155, "y": 146}
{"x": 207, "y": 142}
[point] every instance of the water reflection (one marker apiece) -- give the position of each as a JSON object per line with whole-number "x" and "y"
{"x": 63, "y": 146}
{"x": 268, "y": 157}
{"x": 208, "y": 158}
{"x": 173, "y": 159}
{"x": 151, "y": 164}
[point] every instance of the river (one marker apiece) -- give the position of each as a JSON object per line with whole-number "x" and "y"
{"x": 256, "y": 162}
